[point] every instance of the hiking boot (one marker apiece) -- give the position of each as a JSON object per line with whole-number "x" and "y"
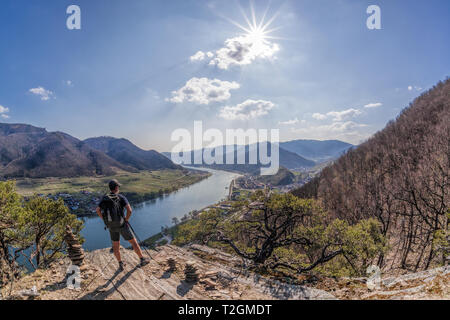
{"x": 144, "y": 262}
{"x": 121, "y": 266}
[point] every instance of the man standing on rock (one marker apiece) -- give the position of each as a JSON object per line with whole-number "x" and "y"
{"x": 111, "y": 209}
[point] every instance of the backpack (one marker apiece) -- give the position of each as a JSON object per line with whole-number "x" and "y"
{"x": 112, "y": 211}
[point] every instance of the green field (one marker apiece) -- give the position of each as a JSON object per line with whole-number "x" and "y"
{"x": 144, "y": 184}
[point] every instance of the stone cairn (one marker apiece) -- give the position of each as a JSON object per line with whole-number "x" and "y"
{"x": 74, "y": 248}
{"x": 172, "y": 264}
{"x": 190, "y": 272}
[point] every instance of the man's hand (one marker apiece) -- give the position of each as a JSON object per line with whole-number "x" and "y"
{"x": 99, "y": 212}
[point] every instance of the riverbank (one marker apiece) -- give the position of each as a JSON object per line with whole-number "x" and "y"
{"x": 82, "y": 194}
{"x": 150, "y": 217}
{"x": 168, "y": 234}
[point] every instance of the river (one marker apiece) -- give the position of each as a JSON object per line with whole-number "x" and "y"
{"x": 149, "y": 217}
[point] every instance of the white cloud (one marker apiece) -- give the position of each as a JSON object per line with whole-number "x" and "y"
{"x": 3, "y": 109}
{"x": 343, "y": 115}
{"x": 200, "y": 56}
{"x": 250, "y": 109}
{"x": 3, "y": 112}
{"x": 373, "y": 105}
{"x": 204, "y": 91}
{"x": 347, "y": 131}
{"x": 42, "y": 93}
{"x": 338, "y": 115}
{"x": 417, "y": 88}
{"x": 343, "y": 126}
{"x": 239, "y": 51}
{"x": 290, "y": 122}
{"x": 335, "y": 127}
{"x": 69, "y": 83}
{"x": 319, "y": 116}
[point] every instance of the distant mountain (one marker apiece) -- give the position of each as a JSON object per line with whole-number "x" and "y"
{"x": 16, "y": 141}
{"x": 282, "y": 178}
{"x": 127, "y": 153}
{"x": 319, "y": 151}
{"x": 28, "y": 151}
{"x": 288, "y": 160}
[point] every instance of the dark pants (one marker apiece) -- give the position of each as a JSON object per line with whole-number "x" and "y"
{"x": 116, "y": 232}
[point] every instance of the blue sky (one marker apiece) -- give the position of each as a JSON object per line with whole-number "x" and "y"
{"x": 140, "y": 69}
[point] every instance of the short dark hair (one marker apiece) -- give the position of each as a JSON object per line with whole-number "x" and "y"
{"x": 113, "y": 184}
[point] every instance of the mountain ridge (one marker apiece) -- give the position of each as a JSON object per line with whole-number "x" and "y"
{"x": 317, "y": 150}
{"x": 125, "y": 152}
{"x": 27, "y": 151}
{"x": 289, "y": 160}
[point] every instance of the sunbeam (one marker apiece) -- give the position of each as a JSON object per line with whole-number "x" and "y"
{"x": 254, "y": 42}
{"x": 257, "y": 32}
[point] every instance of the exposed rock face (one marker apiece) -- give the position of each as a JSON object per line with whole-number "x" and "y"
{"x": 220, "y": 277}
{"x": 426, "y": 285}
{"x": 74, "y": 248}
{"x": 431, "y": 284}
{"x": 219, "y": 274}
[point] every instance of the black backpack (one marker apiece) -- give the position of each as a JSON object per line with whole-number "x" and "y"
{"x": 112, "y": 211}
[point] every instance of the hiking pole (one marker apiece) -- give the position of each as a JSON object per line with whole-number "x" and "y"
{"x": 139, "y": 240}
{"x": 96, "y": 277}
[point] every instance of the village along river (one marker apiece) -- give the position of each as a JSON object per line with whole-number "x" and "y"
{"x": 149, "y": 217}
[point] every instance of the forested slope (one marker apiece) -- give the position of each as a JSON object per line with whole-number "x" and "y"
{"x": 401, "y": 177}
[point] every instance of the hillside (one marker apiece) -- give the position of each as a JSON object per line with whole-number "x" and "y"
{"x": 27, "y": 151}
{"x": 319, "y": 151}
{"x": 30, "y": 152}
{"x": 288, "y": 160}
{"x": 16, "y": 140}
{"x": 282, "y": 178}
{"x": 127, "y": 153}
{"x": 401, "y": 177}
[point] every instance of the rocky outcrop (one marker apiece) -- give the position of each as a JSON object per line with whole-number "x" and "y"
{"x": 426, "y": 285}
{"x": 220, "y": 276}
{"x": 432, "y": 284}
{"x": 202, "y": 273}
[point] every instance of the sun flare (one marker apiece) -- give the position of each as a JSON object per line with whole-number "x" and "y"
{"x": 255, "y": 42}
{"x": 257, "y": 32}
{"x": 256, "y": 36}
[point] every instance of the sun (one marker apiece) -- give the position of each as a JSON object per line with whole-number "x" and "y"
{"x": 257, "y": 35}
{"x": 256, "y": 32}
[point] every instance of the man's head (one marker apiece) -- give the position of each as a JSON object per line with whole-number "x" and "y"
{"x": 114, "y": 186}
